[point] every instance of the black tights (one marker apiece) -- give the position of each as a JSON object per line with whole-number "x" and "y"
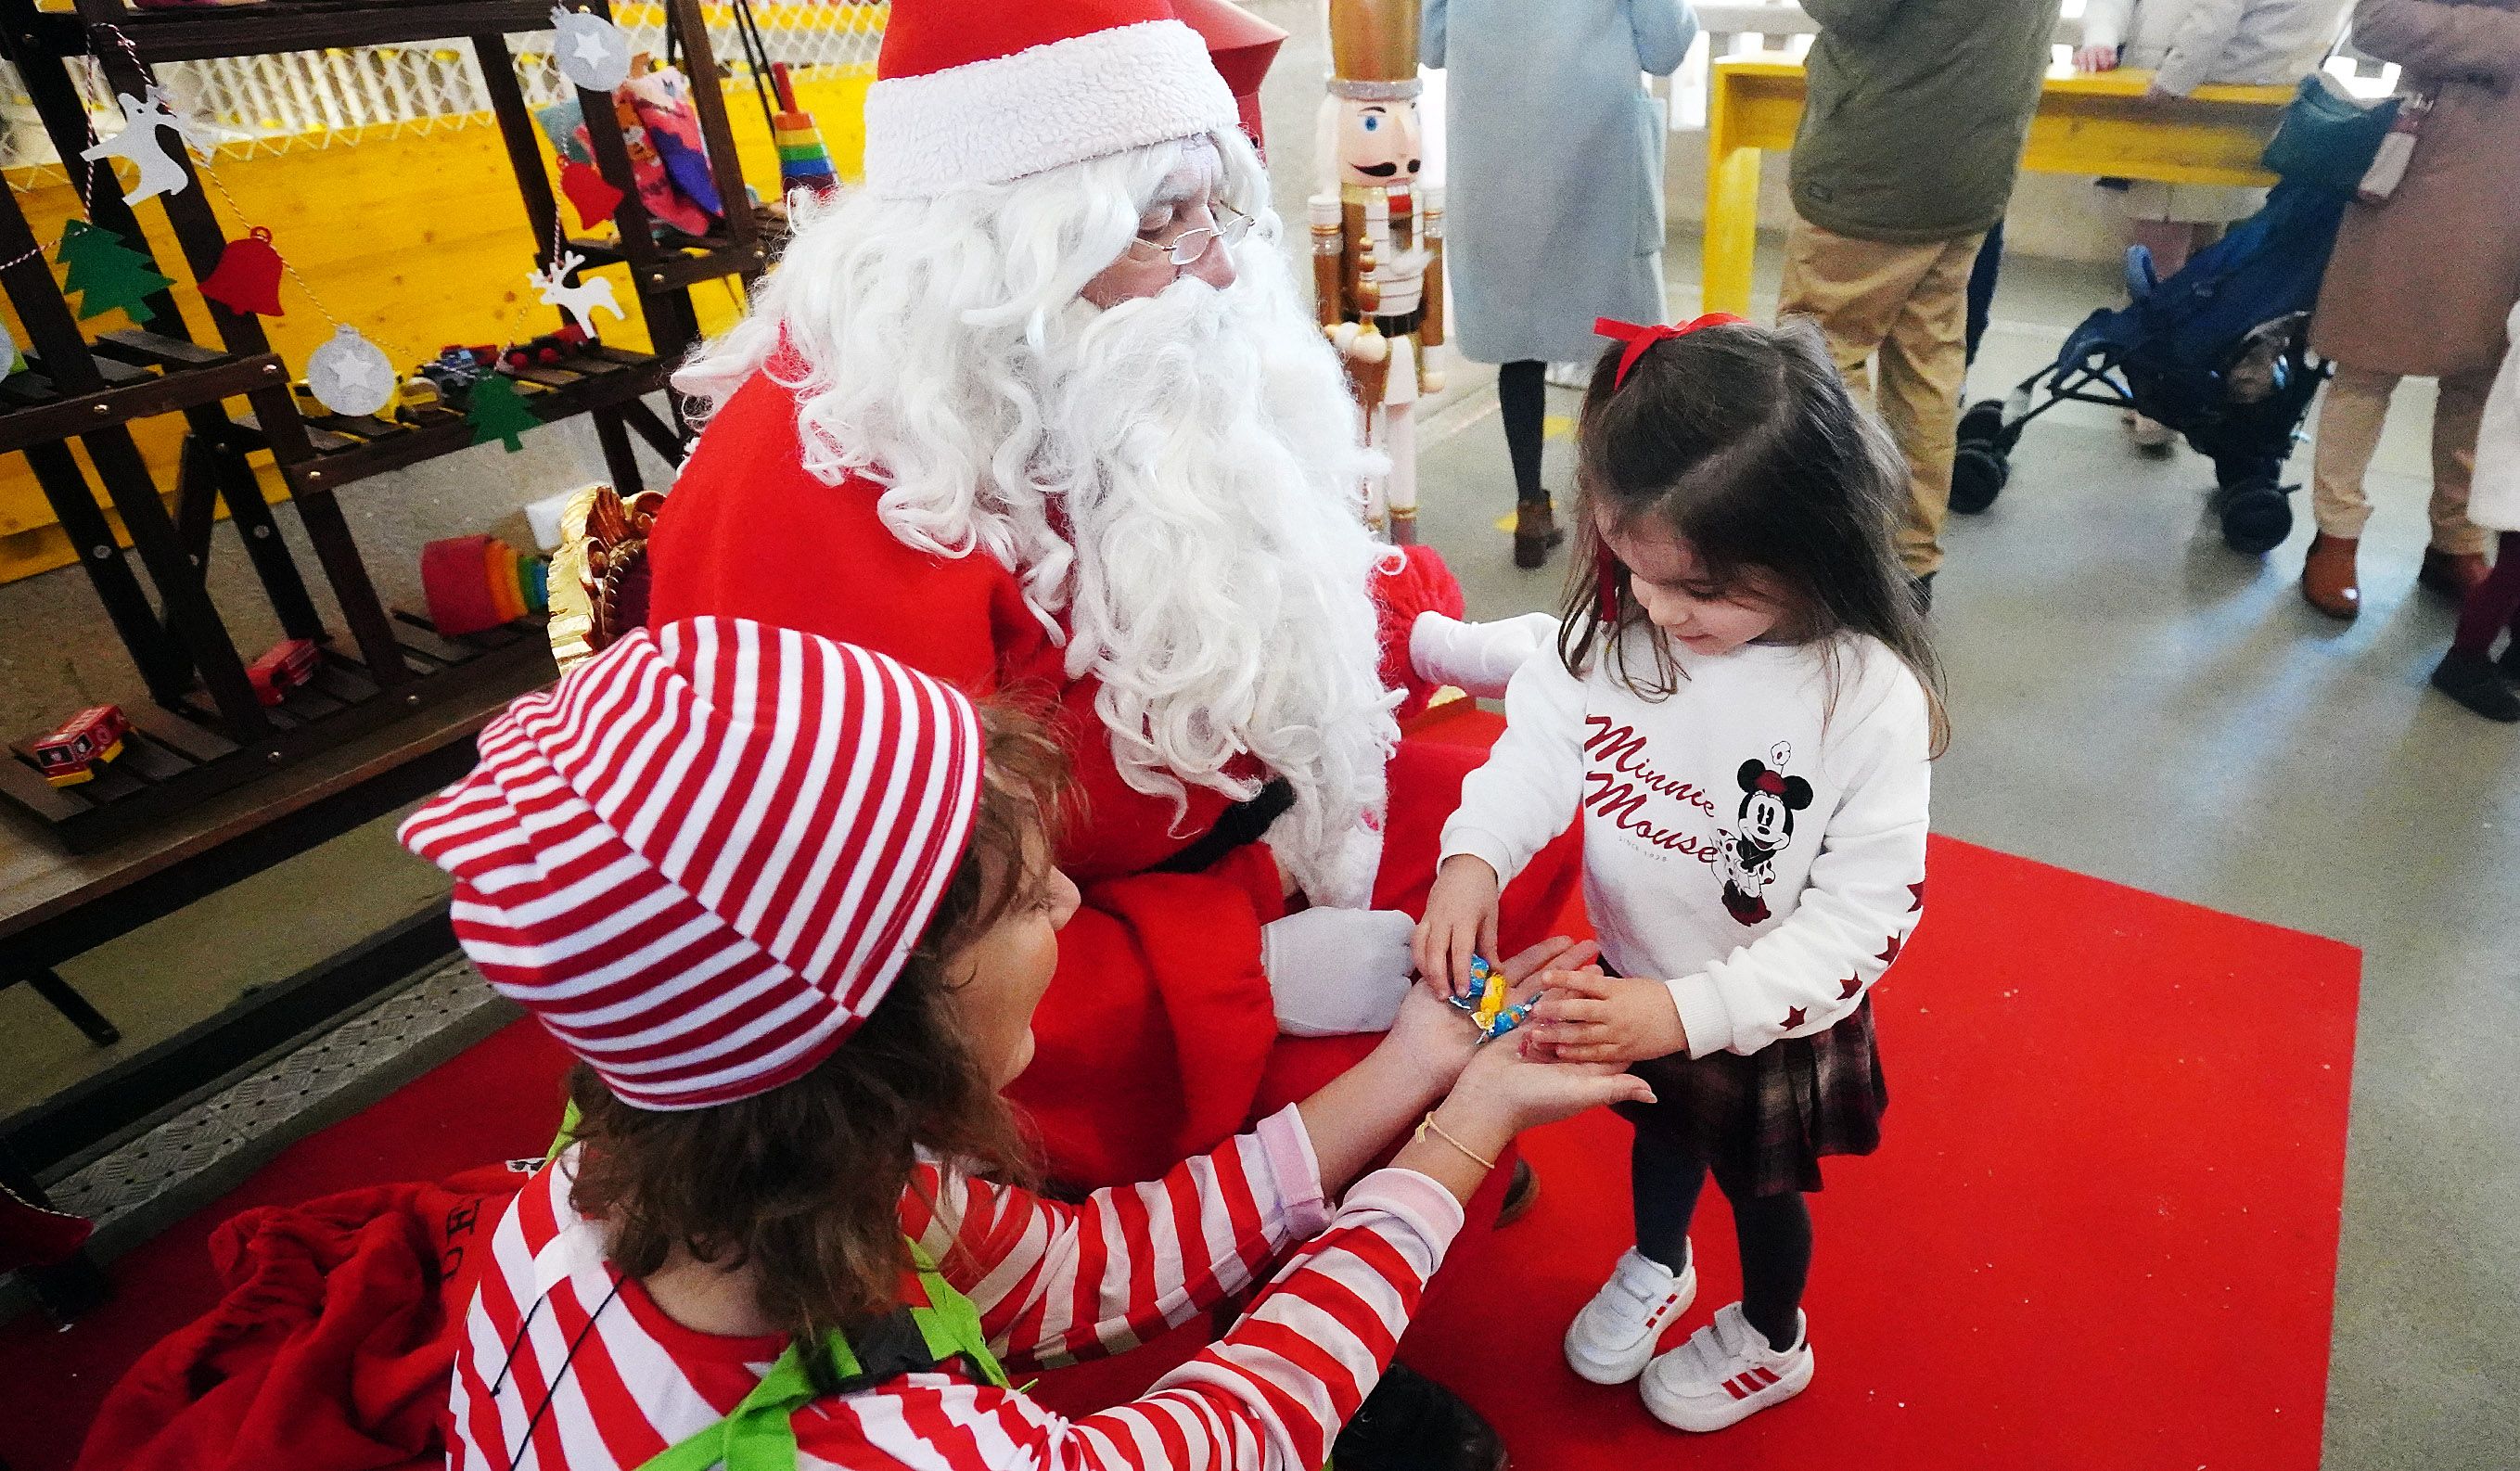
{"x": 1522, "y": 393}
{"x": 1774, "y": 1231}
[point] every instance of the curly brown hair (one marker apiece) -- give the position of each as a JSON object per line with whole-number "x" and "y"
{"x": 801, "y": 1185}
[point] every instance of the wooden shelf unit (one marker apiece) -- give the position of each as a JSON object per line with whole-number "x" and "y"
{"x": 210, "y": 732}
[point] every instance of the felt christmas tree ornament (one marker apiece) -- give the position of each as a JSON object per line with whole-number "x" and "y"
{"x": 106, "y": 274}
{"x": 498, "y": 411}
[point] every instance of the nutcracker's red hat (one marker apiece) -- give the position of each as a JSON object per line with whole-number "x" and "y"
{"x": 988, "y": 91}
{"x": 702, "y": 858}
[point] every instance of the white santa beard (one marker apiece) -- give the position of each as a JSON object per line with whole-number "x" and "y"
{"x": 1204, "y": 449}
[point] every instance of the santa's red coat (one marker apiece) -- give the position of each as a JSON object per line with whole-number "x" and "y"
{"x": 1156, "y": 1040}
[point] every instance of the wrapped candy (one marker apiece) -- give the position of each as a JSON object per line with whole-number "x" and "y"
{"x": 1487, "y": 1005}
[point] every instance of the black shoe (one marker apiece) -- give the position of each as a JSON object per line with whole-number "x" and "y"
{"x": 1412, "y": 1424}
{"x": 1518, "y": 1193}
{"x": 2510, "y": 663}
{"x": 2472, "y": 680}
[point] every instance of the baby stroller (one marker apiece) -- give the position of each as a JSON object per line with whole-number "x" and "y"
{"x": 2219, "y": 352}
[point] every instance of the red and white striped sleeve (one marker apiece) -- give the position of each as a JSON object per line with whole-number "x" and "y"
{"x": 1057, "y": 1282}
{"x": 1270, "y": 1396}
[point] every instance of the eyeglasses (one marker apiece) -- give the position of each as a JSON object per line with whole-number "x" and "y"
{"x": 1186, "y": 249}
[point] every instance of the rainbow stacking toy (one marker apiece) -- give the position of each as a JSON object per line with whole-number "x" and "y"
{"x": 476, "y": 583}
{"x": 803, "y": 162}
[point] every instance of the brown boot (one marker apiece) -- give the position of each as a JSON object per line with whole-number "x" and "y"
{"x": 2327, "y": 576}
{"x": 2451, "y": 574}
{"x": 1535, "y": 532}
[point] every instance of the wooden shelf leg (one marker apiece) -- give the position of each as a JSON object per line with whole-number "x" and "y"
{"x": 191, "y": 616}
{"x": 330, "y": 531}
{"x": 259, "y": 529}
{"x": 620, "y": 456}
{"x": 669, "y": 441}
{"x": 163, "y": 665}
{"x": 76, "y": 1009}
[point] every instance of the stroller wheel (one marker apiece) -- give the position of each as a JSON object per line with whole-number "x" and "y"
{"x": 1982, "y": 423}
{"x": 1978, "y": 476}
{"x": 2256, "y": 518}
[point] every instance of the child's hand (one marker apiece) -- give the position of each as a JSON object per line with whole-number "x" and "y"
{"x": 2095, "y": 59}
{"x": 1587, "y": 1016}
{"x": 1461, "y": 923}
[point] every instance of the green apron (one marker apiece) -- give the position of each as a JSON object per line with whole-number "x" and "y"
{"x": 759, "y": 1435}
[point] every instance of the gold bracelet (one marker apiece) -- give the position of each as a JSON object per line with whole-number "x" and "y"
{"x": 1430, "y": 1126}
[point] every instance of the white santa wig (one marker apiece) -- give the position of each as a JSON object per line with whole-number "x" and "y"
{"x": 1175, "y": 481}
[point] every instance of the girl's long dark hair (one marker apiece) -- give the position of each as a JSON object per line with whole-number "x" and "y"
{"x": 802, "y": 1185}
{"x": 1743, "y": 442}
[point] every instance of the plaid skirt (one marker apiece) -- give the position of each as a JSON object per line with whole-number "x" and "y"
{"x": 1763, "y": 1122}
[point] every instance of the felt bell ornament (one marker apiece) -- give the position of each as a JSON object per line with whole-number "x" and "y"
{"x": 247, "y": 277}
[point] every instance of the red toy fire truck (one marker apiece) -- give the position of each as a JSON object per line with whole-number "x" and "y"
{"x": 85, "y": 741}
{"x": 290, "y": 664}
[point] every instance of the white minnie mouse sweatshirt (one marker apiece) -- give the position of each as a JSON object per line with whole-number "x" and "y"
{"x": 1751, "y": 842}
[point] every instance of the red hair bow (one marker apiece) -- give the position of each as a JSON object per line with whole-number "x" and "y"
{"x": 1772, "y": 783}
{"x": 1638, "y": 338}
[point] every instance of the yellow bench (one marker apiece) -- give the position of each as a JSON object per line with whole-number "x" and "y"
{"x": 2096, "y": 124}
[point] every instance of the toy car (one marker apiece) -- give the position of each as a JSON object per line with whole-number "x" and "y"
{"x": 455, "y": 370}
{"x": 286, "y": 667}
{"x": 547, "y": 350}
{"x": 85, "y": 741}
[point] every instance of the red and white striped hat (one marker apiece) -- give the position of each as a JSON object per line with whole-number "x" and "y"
{"x": 701, "y": 858}
{"x": 988, "y": 91}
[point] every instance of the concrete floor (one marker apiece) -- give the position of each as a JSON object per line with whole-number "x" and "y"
{"x": 2131, "y": 700}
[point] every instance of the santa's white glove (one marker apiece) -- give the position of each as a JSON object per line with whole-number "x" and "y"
{"x": 1478, "y": 657}
{"x": 1332, "y": 972}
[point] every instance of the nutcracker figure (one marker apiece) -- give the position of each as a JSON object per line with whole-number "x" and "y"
{"x": 1379, "y": 241}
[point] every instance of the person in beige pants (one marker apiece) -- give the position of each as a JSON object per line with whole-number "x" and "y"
{"x": 2418, "y": 287}
{"x": 1909, "y": 142}
{"x": 1909, "y": 303}
{"x": 2349, "y": 433}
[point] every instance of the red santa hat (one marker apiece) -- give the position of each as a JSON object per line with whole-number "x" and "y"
{"x": 987, "y": 91}
{"x": 703, "y": 856}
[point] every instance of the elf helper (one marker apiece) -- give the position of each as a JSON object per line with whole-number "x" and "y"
{"x": 1039, "y": 409}
{"x": 784, "y": 1238}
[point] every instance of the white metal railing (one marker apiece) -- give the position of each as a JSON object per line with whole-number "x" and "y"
{"x": 322, "y": 98}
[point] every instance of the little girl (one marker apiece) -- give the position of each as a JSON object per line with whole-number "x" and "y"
{"x": 1741, "y": 717}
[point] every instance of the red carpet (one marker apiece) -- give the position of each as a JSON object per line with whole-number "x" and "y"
{"x": 2101, "y": 1231}
{"x": 496, "y": 1101}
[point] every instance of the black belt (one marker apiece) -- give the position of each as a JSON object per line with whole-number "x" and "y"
{"x": 1242, "y": 822}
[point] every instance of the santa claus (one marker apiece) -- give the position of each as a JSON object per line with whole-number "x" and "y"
{"x": 1038, "y": 410}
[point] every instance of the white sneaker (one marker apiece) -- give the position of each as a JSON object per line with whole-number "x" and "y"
{"x": 1725, "y": 1375}
{"x": 1612, "y": 1340}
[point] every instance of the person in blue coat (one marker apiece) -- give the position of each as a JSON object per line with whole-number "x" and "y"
{"x": 1554, "y": 192}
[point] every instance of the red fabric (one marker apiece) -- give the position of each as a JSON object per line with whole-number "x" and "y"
{"x": 333, "y": 1346}
{"x": 1157, "y": 1028}
{"x": 924, "y": 36}
{"x": 1421, "y": 584}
